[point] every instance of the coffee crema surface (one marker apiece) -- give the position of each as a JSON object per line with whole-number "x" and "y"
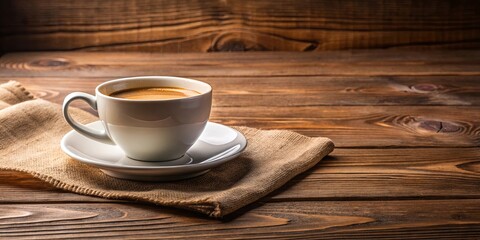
{"x": 154, "y": 93}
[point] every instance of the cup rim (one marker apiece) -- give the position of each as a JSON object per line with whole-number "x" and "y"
{"x": 99, "y": 93}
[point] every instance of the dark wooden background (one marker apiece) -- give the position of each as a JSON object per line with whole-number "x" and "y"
{"x": 225, "y": 25}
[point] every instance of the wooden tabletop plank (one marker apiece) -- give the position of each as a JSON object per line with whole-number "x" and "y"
{"x": 17, "y": 187}
{"x": 366, "y": 126}
{"x": 388, "y": 126}
{"x": 347, "y": 174}
{"x": 300, "y": 91}
{"x": 256, "y": 64}
{"x": 441, "y": 219}
{"x": 404, "y": 173}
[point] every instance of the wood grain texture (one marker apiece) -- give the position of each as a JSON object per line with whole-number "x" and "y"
{"x": 217, "y": 25}
{"x": 17, "y": 187}
{"x": 347, "y": 174}
{"x": 252, "y": 64}
{"x": 387, "y": 126}
{"x": 404, "y": 173}
{"x": 441, "y": 219}
{"x": 301, "y": 90}
{"x": 295, "y": 102}
{"x": 366, "y": 126}
{"x": 405, "y": 125}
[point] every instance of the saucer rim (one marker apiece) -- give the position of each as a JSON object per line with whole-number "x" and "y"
{"x": 172, "y": 167}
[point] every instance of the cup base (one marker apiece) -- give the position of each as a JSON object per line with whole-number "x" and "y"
{"x": 185, "y": 159}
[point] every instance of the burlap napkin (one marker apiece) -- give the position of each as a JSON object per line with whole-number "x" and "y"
{"x": 31, "y": 129}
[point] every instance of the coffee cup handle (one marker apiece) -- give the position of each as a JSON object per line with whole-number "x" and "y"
{"x": 98, "y": 135}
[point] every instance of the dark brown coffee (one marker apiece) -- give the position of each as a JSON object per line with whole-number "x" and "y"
{"x": 154, "y": 93}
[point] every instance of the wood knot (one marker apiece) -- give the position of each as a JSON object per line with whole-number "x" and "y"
{"x": 471, "y": 166}
{"x": 236, "y": 42}
{"x": 350, "y": 89}
{"x": 50, "y": 63}
{"x": 233, "y": 46}
{"x": 246, "y": 40}
{"x": 425, "y": 87}
{"x": 236, "y": 45}
{"x": 438, "y": 126}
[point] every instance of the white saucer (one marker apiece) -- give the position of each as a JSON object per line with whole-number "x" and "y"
{"x": 217, "y": 144}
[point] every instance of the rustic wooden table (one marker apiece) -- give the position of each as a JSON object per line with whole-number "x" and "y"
{"x": 406, "y": 125}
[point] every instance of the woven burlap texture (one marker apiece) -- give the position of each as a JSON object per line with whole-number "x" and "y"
{"x": 31, "y": 130}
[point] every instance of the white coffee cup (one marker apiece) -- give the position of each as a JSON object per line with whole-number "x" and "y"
{"x": 147, "y": 130}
